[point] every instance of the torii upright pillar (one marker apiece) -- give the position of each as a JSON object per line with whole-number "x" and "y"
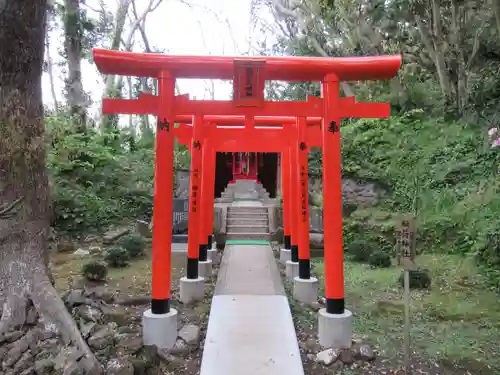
{"x": 334, "y": 321}
{"x": 286, "y": 250}
{"x": 305, "y": 287}
{"x": 160, "y": 322}
{"x": 192, "y": 285}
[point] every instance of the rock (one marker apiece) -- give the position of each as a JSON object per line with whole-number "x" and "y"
{"x": 117, "y": 314}
{"x": 173, "y": 361}
{"x": 65, "y": 246}
{"x": 95, "y": 249}
{"x": 44, "y": 366}
{"x": 190, "y": 333}
{"x": 129, "y": 344}
{"x": 101, "y": 292}
{"x": 104, "y": 354}
{"x": 315, "y": 306}
{"x": 12, "y": 336}
{"x": 28, "y": 371}
{"x": 104, "y": 337}
{"x": 142, "y": 227}
{"x": 126, "y": 329}
{"x": 140, "y": 366}
{"x": 3, "y": 350}
{"x": 357, "y": 338}
{"x": 180, "y": 348}
{"x": 25, "y": 362}
{"x": 328, "y": 356}
{"x": 72, "y": 368}
{"x": 134, "y": 300}
{"x": 112, "y": 235}
{"x": 81, "y": 252}
{"x": 18, "y": 349}
{"x": 346, "y": 357}
{"x": 65, "y": 358}
{"x": 88, "y": 313}
{"x": 87, "y": 328}
{"x": 91, "y": 238}
{"x": 117, "y": 366}
{"x": 75, "y": 298}
{"x": 337, "y": 367}
{"x": 149, "y": 354}
{"x": 316, "y": 240}
{"x": 46, "y": 347}
{"x": 363, "y": 352}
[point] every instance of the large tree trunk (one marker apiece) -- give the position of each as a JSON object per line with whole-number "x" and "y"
{"x": 24, "y": 196}
{"x": 73, "y": 48}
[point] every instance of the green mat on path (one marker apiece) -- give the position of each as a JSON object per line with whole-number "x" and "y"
{"x": 248, "y": 242}
{"x": 244, "y": 200}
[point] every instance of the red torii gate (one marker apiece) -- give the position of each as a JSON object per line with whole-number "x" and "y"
{"x": 248, "y": 75}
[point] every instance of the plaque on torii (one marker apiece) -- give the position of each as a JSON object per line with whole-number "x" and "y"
{"x": 248, "y": 83}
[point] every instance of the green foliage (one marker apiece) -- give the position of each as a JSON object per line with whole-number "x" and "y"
{"x": 419, "y": 279}
{"x": 360, "y": 250}
{"x": 444, "y": 170}
{"x": 95, "y": 271}
{"x": 379, "y": 259}
{"x": 117, "y": 257}
{"x": 94, "y": 183}
{"x": 134, "y": 243}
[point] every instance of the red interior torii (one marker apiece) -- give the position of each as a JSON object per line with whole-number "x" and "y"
{"x": 249, "y": 107}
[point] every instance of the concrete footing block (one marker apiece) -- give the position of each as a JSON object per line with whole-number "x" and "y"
{"x": 285, "y": 255}
{"x": 292, "y": 269}
{"x": 213, "y": 255}
{"x": 335, "y": 330}
{"x": 205, "y": 269}
{"x": 305, "y": 290}
{"x": 159, "y": 329}
{"x": 191, "y": 290}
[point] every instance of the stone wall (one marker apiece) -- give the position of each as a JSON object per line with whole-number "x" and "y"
{"x": 182, "y": 183}
{"x": 315, "y": 220}
{"x": 220, "y": 217}
{"x": 361, "y": 194}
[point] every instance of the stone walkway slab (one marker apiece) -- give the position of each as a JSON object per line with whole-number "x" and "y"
{"x": 251, "y": 335}
{"x": 247, "y": 269}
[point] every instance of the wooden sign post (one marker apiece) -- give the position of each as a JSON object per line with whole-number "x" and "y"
{"x": 406, "y": 256}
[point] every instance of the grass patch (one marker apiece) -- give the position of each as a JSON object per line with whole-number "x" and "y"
{"x": 458, "y": 320}
{"x": 134, "y": 280}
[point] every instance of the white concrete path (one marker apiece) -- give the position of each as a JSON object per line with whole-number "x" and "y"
{"x": 250, "y": 329}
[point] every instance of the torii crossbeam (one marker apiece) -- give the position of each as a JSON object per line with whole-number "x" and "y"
{"x": 316, "y": 121}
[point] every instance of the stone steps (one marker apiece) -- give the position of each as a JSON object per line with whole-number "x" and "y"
{"x": 247, "y": 210}
{"x": 252, "y": 217}
{"x": 247, "y": 229}
{"x": 244, "y": 220}
{"x": 248, "y": 236}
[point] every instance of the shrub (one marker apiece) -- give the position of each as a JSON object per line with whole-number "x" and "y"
{"x": 133, "y": 243}
{"x": 95, "y": 271}
{"x": 379, "y": 259}
{"x": 360, "y": 250}
{"x": 419, "y": 279}
{"x": 117, "y": 257}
